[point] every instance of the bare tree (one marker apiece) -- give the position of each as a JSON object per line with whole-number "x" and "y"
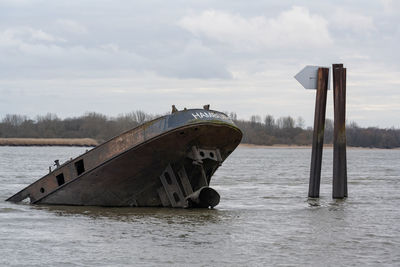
{"x": 14, "y": 119}
{"x": 255, "y": 120}
{"x": 269, "y": 122}
{"x": 140, "y": 116}
{"x": 285, "y": 122}
{"x": 300, "y": 122}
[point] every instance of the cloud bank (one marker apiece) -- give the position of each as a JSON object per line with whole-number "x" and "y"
{"x": 112, "y": 57}
{"x": 294, "y": 27}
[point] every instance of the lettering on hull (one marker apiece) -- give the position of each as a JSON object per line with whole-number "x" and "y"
{"x": 210, "y": 115}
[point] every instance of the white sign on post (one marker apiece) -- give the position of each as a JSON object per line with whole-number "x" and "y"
{"x": 308, "y": 77}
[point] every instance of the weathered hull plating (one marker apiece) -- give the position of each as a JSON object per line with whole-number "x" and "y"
{"x": 165, "y": 162}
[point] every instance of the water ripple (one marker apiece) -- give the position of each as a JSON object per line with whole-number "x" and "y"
{"x": 264, "y": 217}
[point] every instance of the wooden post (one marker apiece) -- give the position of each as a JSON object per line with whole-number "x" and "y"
{"x": 339, "y": 180}
{"x": 318, "y": 135}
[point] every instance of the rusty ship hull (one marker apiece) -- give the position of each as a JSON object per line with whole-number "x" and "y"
{"x": 166, "y": 162}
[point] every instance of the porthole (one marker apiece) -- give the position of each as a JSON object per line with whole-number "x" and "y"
{"x": 176, "y": 197}
{"x": 167, "y": 178}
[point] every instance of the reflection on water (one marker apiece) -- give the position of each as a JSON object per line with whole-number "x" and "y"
{"x": 186, "y": 216}
{"x": 264, "y": 217}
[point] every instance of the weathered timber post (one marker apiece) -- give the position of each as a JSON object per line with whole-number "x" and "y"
{"x": 315, "y": 77}
{"x": 318, "y": 135}
{"x": 339, "y": 180}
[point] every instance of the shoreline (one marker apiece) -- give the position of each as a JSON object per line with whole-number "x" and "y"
{"x": 89, "y": 142}
{"x": 83, "y": 142}
{"x": 273, "y": 146}
{"x": 328, "y": 146}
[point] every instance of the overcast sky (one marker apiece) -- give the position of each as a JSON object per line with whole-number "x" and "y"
{"x": 112, "y": 57}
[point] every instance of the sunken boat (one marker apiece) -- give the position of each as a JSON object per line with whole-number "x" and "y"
{"x": 166, "y": 162}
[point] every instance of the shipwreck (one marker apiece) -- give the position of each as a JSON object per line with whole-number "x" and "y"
{"x": 166, "y": 162}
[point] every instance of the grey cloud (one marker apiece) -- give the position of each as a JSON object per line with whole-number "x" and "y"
{"x": 97, "y": 44}
{"x": 196, "y": 61}
{"x": 71, "y": 47}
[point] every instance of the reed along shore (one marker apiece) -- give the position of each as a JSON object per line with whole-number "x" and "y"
{"x": 87, "y": 142}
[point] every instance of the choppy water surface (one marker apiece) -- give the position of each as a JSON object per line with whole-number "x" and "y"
{"x": 263, "y": 218}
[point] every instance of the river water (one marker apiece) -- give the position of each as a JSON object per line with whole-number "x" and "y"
{"x": 264, "y": 217}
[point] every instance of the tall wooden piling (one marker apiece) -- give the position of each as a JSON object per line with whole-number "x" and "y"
{"x": 318, "y": 135}
{"x": 339, "y": 181}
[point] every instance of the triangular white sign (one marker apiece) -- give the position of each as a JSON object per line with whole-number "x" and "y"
{"x": 308, "y": 77}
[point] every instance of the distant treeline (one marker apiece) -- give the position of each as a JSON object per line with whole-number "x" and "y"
{"x": 290, "y": 131}
{"x": 257, "y": 130}
{"x": 91, "y": 125}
